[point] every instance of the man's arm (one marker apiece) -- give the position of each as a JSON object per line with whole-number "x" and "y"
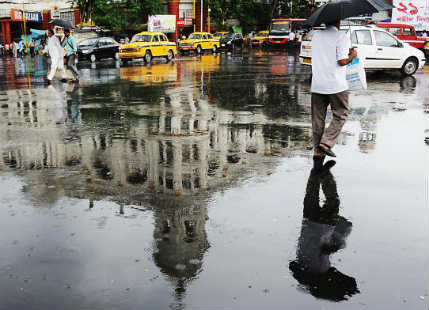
{"x": 345, "y": 54}
{"x": 74, "y": 45}
{"x": 346, "y": 61}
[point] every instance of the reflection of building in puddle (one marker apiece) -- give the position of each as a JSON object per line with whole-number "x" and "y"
{"x": 179, "y": 146}
{"x": 180, "y": 242}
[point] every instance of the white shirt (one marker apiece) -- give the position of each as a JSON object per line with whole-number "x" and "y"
{"x": 53, "y": 47}
{"x": 328, "y": 46}
{"x": 291, "y": 36}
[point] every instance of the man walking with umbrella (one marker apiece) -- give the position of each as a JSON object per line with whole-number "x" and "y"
{"x": 70, "y": 46}
{"x": 53, "y": 47}
{"x": 331, "y": 52}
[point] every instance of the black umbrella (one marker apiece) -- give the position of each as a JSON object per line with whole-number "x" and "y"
{"x": 66, "y": 24}
{"x": 338, "y": 10}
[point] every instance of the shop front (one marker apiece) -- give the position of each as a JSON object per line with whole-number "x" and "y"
{"x": 13, "y": 27}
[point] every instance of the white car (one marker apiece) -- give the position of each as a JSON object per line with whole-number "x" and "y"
{"x": 378, "y": 49}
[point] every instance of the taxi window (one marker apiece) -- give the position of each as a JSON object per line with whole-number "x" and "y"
{"x": 383, "y": 39}
{"x": 210, "y": 36}
{"x": 204, "y": 37}
{"x": 396, "y": 31}
{"x": 362, "y": 37}
{"x": 408, "y": 32}
{"x": 155, "y": 39}
{"x": 165, "y": 38}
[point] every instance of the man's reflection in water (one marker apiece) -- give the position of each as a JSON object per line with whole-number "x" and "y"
{"x": 323, "y": 232}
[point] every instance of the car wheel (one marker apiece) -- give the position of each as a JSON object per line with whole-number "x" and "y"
{"x": 170, "y": 55}
{"x": 214, "y": 49}
{"x": 148, "y": 57}
{"x": 199, "y": 49}
{"x": 410, "y": 66}
{"x": 92, "y": 58}
{"x": 116, "y": 56}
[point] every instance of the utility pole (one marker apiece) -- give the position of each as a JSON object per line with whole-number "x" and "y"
{"x": 202, "y": 15}
{"x": 194, "y": 18}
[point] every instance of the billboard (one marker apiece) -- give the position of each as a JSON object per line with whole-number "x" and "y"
{"x": 162, "y": 23}
{"x": 17, "y": 16}
{"x": 412, "y": 12}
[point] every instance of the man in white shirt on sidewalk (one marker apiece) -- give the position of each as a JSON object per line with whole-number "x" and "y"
{"x": 55, "y": 50}
{"x": 331, "y": 52}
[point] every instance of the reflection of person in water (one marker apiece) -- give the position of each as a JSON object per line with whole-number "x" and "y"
{"x": 323, "y": 232}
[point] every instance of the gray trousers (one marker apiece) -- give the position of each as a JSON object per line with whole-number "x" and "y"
{"x": 340, "y": 110}
{"x": 71, "y": 65}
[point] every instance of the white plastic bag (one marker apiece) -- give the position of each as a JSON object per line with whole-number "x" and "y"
{"x": 356, "y": 77}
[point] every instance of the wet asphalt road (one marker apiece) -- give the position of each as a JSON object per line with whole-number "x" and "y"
{"x": 182, "y": 185}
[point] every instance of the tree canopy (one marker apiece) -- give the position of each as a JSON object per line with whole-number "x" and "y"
{"x": 119, "y": 14}
{"x": 256, "y": 13}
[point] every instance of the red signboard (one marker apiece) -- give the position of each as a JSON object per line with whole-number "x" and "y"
{"x": 180, "y": 23}
{"x": 16, "y": 15}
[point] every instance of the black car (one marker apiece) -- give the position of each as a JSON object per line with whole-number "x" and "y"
{"x": 98, "y": 48}
{"x": 231, "y": 41}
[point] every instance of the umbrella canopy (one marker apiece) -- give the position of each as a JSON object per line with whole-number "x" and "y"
{"x": 338, "y": 10}
{"x": 66, "y": 24}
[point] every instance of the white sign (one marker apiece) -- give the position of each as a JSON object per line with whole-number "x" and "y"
{"x": 411, "y": 12}
{"x": 162, "y": 23}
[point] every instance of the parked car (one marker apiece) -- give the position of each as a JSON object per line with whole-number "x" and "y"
{"x": 219, "y": 35}
{"x": 97, "y": 48}
{"x": 407, "y": 34}
{"x": 199, "y": 41}
{"x": 378, "y": 49}
{"x": 147, "y": 45}
{"x": 231, "y": 41}
{"x": 260, "y": 38}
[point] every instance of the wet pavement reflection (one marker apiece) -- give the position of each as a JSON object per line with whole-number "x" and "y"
{"x": 192, "y": 185}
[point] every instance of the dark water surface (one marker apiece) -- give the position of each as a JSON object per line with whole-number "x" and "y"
{"x": 182, "y": 185}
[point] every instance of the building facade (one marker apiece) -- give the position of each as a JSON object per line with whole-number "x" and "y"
{"x": 37, "y": 14}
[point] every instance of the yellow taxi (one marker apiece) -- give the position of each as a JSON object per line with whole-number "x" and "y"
{"x": 147, "y": 45}
{"x": 199, "y": 41}
{"x": 260, "y": 38}
{"x": 219, "y": 35}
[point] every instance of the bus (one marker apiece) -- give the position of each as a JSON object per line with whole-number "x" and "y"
{"x": 280, "y": 29}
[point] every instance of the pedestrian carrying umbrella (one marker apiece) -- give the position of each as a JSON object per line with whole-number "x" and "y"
{"x": 66, "y": 24}
{"x": 338, "y": 10}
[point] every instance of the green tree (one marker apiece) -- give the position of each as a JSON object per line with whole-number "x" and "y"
{"x": 294, "y": 8}
{"x": 250, "y": 13}
{"x": 119, "y": 14}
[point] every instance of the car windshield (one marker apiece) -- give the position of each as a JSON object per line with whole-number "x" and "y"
{"x": 229, "y": 35}
{"x": 195, "y": 36}
{"x": 88, "y": 42}
{"x": 219, "y": 34}
{"x": 141, "y": 38}
{"x": 280, "y": 27}
{"x": 261, "y": 34}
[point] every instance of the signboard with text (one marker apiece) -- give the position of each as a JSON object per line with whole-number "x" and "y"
{"x": 162, "y": 23}
{"x": 31, "y": 17}
{"x": 411, "y": 12}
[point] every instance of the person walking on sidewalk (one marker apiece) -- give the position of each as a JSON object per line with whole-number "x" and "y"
{"x": 53, "y": 47}
{"x": 70, "y": 46}
{"x": 331, "y": 52}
